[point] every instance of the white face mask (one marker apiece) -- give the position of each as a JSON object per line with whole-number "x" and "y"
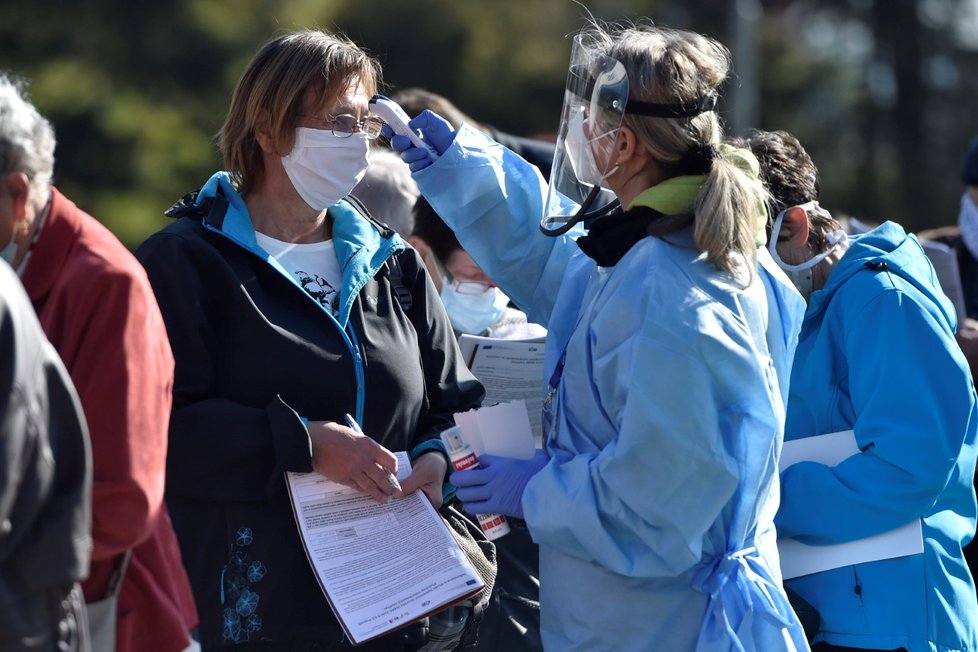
{"x": 968, "y": 221}
{"x": 801, "y": 274}
{"x": 580, "y": 153}
{"x": 324, "y": 168}
{"x": 472, "y": 313}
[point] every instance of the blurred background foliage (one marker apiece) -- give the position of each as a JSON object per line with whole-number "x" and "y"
{"x": 883, "y": 93}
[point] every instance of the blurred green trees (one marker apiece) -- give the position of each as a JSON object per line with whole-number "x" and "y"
{"x": 883, "y": 93}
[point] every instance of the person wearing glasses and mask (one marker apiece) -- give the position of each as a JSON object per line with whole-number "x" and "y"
{"x": 97, "y": 309}
{"x": 670, "y": 337}
{"x": 474, "y": 304}
{"x": 877, "y": 356}
{"x": 288, "y": 307}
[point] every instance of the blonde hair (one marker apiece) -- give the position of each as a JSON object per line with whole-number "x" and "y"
{"x": 669, "y": 66}
{"x": 273, "y": 88}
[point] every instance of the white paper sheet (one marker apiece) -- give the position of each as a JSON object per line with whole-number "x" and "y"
{"x": 799, "y": 559}
{"x": 510, "y": 370}
{"x": 381, "y": 566}
{"x": 501, "y": 429}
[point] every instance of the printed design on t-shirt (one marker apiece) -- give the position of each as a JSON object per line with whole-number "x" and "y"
{"x": 319, "y": 289}
{"x": 241, "y": 618}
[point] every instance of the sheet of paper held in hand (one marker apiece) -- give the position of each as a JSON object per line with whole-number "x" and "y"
{"x": 799, "y": 559}
{"x": 501, "y": 429}
{"x": 510, "y": 370}
{"x": 381, "y": 566}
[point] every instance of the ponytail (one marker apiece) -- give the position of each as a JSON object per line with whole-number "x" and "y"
{"x": 729, "y": 211}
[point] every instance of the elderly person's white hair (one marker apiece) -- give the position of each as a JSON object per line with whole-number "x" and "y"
{"x": 388, "y": 191}
{"x": 26, "y": 138}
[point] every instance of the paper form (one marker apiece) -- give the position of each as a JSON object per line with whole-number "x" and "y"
{"x": 510, "y": 370}
{"x": 381, "y": 566}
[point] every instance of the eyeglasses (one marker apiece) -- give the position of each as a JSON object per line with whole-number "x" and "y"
{"x": 462, "y": 286}
{"x": 468, "y": 287}
{"x": 345, "y": 125}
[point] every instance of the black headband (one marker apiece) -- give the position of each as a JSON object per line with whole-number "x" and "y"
{"x": 580, "y": 82}
{"x": 706, "y": 103}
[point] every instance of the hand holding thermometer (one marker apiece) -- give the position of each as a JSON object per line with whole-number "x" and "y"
{"x": 355, "y": 427}
{"x": 390, "y": 112}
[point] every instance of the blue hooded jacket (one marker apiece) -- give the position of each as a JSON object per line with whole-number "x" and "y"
{"x": 877, "y": 355}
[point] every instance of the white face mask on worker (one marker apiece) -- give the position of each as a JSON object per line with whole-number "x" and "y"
{"x": 324, "y": 168}
{"x": 580, "y": 152}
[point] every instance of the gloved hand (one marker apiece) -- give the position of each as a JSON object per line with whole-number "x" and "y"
{"x": 497, "y": 486}
{"x": 435, "y": 130}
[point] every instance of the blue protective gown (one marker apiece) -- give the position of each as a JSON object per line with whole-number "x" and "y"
{"x": 877, "y": 355}
{"x": 655, "y": 513}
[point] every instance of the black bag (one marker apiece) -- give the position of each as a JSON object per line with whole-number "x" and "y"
{"x": 457, "y": 628}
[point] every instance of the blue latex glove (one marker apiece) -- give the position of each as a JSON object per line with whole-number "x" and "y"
{"x": 435, "y": 130}
{"x": 497, "y": 486}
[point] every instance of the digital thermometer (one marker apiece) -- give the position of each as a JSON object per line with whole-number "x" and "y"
{"x": 390, "y": 112}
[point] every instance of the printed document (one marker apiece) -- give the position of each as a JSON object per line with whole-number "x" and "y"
{"x": 381, "y": 566}
{"x": 510, "y": 370}
{"x": 799, "y": 559}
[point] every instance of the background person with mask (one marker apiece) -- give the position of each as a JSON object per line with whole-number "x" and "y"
{"x": 98, "y": 310}
{"x": 654, "y": 500}
{"x": 968, "y": 263}
{"x": 968, "y": 224}
{"x": 474, "y": 304}
{"x": 387, "y": 190}
{"x": 288, "y": 308}
{"x": 877, "y": 356}
{"x": 477, "y": 307}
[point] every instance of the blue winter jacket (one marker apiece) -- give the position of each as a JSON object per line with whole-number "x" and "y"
{"x": 877, "y": 355}
{"x": 655, "y": 513}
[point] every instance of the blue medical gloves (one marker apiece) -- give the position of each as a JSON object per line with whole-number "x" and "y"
{"x": 497, "y": 486}
{"x": 435, "y": 130}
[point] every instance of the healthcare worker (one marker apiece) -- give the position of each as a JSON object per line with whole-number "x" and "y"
{"x": 877, "y": 356}
{"x": 653, "y": 501}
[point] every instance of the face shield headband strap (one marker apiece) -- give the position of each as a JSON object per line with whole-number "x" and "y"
{"x": 706, "y": 103}
{"x": 583, "y": 214}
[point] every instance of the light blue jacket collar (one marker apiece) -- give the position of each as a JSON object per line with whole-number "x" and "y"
{"x": 361, "y": 247}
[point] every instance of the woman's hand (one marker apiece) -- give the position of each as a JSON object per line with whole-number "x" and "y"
{"x": 428, "y": 474}
{"x": 352, "y": 459}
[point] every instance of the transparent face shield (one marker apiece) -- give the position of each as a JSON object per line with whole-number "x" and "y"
{"x": 594, "y": 106}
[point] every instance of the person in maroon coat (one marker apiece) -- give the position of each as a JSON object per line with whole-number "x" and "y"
{"x": 97, "y": 308}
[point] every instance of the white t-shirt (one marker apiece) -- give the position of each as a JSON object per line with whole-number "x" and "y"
{"x": 314, "y": 265}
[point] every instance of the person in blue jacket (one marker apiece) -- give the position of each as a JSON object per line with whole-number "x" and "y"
{"x": 287, "y": 308}
{"x": 877, "y": 356}
{"x": 670, "y": 338}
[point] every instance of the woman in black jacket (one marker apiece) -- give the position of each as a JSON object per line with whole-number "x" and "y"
{"x": 287, "y": 307}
